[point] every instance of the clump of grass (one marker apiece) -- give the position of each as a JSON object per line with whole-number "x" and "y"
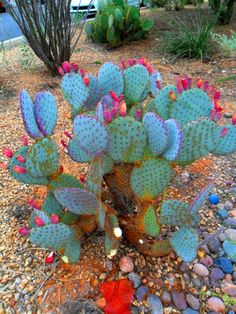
{"x": 189, "y": 37}
{"x": 227, "y": 44}
{"x": 27, "y": 60}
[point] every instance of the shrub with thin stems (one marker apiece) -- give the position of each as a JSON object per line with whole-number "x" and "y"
{"x": 49, "y": 29}
{"x": 227, "y": 44}
{"x": 189, "y": 37}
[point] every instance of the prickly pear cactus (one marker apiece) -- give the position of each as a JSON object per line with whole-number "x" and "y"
{"x": 133, "y": 134}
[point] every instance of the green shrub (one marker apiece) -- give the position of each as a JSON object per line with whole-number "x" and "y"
{"x": 116, "y": 22}
{"x": 189, "y": 38}
{"x": 223, "y": 10}
{"x": 227, "y": 44}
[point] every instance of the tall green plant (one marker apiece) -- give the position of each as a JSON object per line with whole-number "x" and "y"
{"x": 117, "y": 22}
{"x": 223, "y": 10}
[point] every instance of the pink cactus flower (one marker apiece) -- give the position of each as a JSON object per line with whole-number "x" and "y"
{"x": 114, "y": 96}
{"x": 7, "y": 152}
{"x": 24, "y": 231}
{"x": 216, "y": 115}
{"x": 63, "y": 143}
{"x": 113, "y": 113}
{"x": 75, "y": 67}
{"x": 82, "y": 179}
{"x": 3, "y": 166}
{"x": 217, "y": 95}
{"x": 50, "y": 258}
{"x": 234, "y": 119}
{"x": 189, "y": 81}
{"x": 205, "y": 86}
{"x": 123, "y": 64}
{"x": 131, "y": 62}
{"x": 123, "y": 109}
{"x": 67, "y": 133}
{"x": 66, "y": 67}
{"x": 61, "y": 71}
{"x": 224, "y": 132}
{"x": 86, "y": 81}
{"x": 55, "y": 219}
{"x": 20, "y": 159}
{"x": 142, "y": 61}
{"x": 138, "y": 114}
{"x": 149, "y": 68}
{"x": 38, "y": 221}
{"x": 82, "y": 72}
{"x": 179, "y": 87}
{"x": 35, "y": 204}
{"x": 199, "y": 83}
{"x": 24, "y": 140}
{"x": 107, "y": 116}
{"x": 184, "y": 83}
{"x": 19, "y": 169}
{"x": 158, "y": 84}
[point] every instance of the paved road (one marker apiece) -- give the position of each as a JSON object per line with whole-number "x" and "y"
{"x": 8, "y": 27}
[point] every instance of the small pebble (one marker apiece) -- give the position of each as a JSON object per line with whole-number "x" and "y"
{"x": 141, "y": 292}
{"x": 135, "y": 278}
{"x": 225, "y": 264}
{"x": 154, "y": 304}
{"x": 222, "y": 237}
{"x": 214, "y": 199}
{"x": 229, "y": 288}
{"x": 230, "y": 222}
{"x": 216, "y": 274}
{"x": 192, "y": 301}
{"x": 200, "y": 270}
{"x": 228, "y": 205}
{"x": 178, "y": 299}
{"x": 230, "y": 249}
{"x": 222, "y": 213}
{"x": 233, "y": 213}
{"x": 214, "y": 245}
{"x": 231, "y": 234}
{"x": 215, "y": 304}
{"x": 190, "y": 311}
{"x": 197, "y": 283}
{"x": 126, "y": 264}
{"x": 228, "y": 115}
{"x": 134, "y": 310}
{"x": 166, "y": 297}
{"x": 207, "y": 260}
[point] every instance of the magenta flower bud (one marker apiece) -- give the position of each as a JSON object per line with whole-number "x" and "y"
{"x": 179, "y": 87}
{"x": 158, "y": 84}
{"x": 138, "y": 114}
{"x": 113, "y": 112}
{"x": 19, "y": 169}
{"x": 224, "y": 132}
{"x": 3, "y": 166}
{"x": 67, "y": 133}
{"x": 61, "y": 71}
{"x": 63, "y": 143}
{"x": 131, "y": 62}
{"x": 205, "y": 86}
{"x": 38, "y": 221}
{"x": 20, "y": 159}
{"x": 24, "y": 140}
{"x": 34, "y": 203}
{"x": 123, "y": 63}
{"x": 189, "y": 82}
{"x": 66, "y": 67}
{"x": 50, "y": 258}
{"x": 55, "y": 219}
{"x": 75, "y": 67}
{"x": 82, "y": 72}
{"x": 24, "y": 231}
{"x": 216, "y": 115}
{"x": 217, "y": 95}
{"x": 7, "y": 152}
{"x": 107, "y": 116}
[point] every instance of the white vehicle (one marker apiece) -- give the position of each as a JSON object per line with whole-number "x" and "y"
{"x": 81, "y": 6}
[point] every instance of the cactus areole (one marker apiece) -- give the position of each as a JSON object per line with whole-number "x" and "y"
{"x": 132, "y": 132}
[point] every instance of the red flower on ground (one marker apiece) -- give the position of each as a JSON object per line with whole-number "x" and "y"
{"x": 118, "y": 295}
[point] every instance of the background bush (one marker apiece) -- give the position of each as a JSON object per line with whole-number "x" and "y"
{"x": 227, "y": 44}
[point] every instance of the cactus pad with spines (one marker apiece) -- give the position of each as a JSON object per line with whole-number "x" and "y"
{"x": 174, "y": 141}
{"x": 26, "y": 177}
{"x": 185, "y": 242}
{"x": 110, "y": 78}
{"x": 157, "y": 131}
{"x": 76, "y": 153}
{"x": 198, "y": 140}
{"x": 45, "y": 112}
{"x": 136, "y": 80}
{"x": 150, "y": 224}
{"x": 173, "y": 213}
{"x": 65, "y": 180}
{"x": 200, "y": 199}
{"x": 151, "y": 178}
{"x": 52, "y": 236}
{"x": 52, "y": 206}
{"x": 28, "y": 115}
{"x": 91, "y": 134}
{"x": 75, "y": 91}
{"x": 73, "y": 247}
{"x": 127, "y": 140}
{"x": 95, "y": 176}
{"x": 78, "y": 201}
{"x": 191, "y": 105}
{"x": 95, "y": 92}
{"x": 154, "y": 77}
{"x": 226, "y": 143}
{"x": 42, "y": 215}
{"x": 163, "y": 102}
{"x": 42, "y": 159}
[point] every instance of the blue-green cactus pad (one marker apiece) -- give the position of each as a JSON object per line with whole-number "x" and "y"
{"x": 127, "y": 139}
{"x": 198, "y": 140}
{"x": 110, "y": 78}
{"x": 175, "y": 140}
{"x": 26, "y": 177}
{"x": 28, "y": 115}
{"x": 42, "y": 159}
{"x": 69, "y": 218}
{"x": 191, "y": 105}
{"x": 65, "y": 180}
{"x": 151, "y": 226}
{"x": 91, "y": 134}
{"x": 74, "y": 90}
{"x": 163, "y": 102}
{"x": 200, "y": 199}
{"x": 73, "y": 247}
{"x": 100, "y": 111}
{"x": 46, "y": 112}
{"x": 173, "y": 213}
{"x": 107, "y": 164}
{"x": 77, "y": 201}
{"x": 185, "y": 242}
{"x": 226, "y": 144}
{"x": 76, "y": 153}
{"x": 229, "y": 247}
{"x": 155, "y": 76}
{"x": 158, "y": 135}
{"x": 136, "y": 80}
{"x": 52, "y": 236}
{"x": 95, "y": 176}
{"x": 95, "y": 92}
{"x": 42, "y": 215}
{"x": 52, "y": 206}
{"x": 151, "y": 178}
{"x": 101, "y": 216}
